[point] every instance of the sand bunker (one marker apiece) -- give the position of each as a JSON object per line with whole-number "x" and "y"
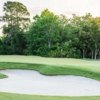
{"x": 31, "y": 82}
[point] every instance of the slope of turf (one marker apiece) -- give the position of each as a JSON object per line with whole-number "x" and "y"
{"x": 53, "y": 69}
{"x": 9, "y": 96}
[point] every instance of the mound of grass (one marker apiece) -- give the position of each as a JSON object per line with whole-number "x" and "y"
{"x": 10, "y": 96}
{"x": 53, "y": 69}
{"x": 3, "y": 76}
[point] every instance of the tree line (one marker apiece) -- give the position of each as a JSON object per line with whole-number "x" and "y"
{"x": 49, "y": 34}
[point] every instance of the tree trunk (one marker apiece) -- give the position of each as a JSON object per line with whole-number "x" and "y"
{"x": 49, "y": 43}
{"x": 83, "y": 53}
{"x": 95, "y": 54}
{"x": 92, "y": 54}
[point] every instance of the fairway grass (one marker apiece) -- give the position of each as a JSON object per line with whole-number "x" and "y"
{"x": 11, "y": 96}
{"x": 50, "y": 66}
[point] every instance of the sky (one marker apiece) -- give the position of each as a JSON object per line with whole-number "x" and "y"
{"x": 66, "y": 7}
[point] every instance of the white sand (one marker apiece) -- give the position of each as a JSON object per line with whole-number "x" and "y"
{"x": 31, "y": 82}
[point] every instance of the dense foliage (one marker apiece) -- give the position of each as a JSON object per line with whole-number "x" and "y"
{"x": 49, "y": 35}
{"x": 17, "y": 18}
{"x": 58, "y": 36}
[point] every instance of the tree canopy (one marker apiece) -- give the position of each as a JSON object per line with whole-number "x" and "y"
{"x": 17, "y": 18}
{"x": 49, "y": 34}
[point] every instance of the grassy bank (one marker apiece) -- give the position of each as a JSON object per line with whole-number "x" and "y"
{"x": 52, "y": 66}
{"x": 9, "y": 96}
{"x": 53, "y": 69}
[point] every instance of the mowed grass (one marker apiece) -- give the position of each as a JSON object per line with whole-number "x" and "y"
{"x": 50, "y": 66}
{"x": 49, "y": 61}
{"x": 10, "y": 96}
{"x": 53, "y": 69}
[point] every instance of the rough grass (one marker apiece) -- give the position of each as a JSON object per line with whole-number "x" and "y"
{"x": 10, "y": 96}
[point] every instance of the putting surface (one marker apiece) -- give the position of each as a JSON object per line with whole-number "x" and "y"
{"x": 49, "y": 61}
{"x": 32, "y": 82}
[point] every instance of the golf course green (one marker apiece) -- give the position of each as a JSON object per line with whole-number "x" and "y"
{"x": 50, "y": 66}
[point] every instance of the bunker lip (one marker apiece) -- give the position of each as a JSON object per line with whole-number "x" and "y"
{"x": 32, "y": 82}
